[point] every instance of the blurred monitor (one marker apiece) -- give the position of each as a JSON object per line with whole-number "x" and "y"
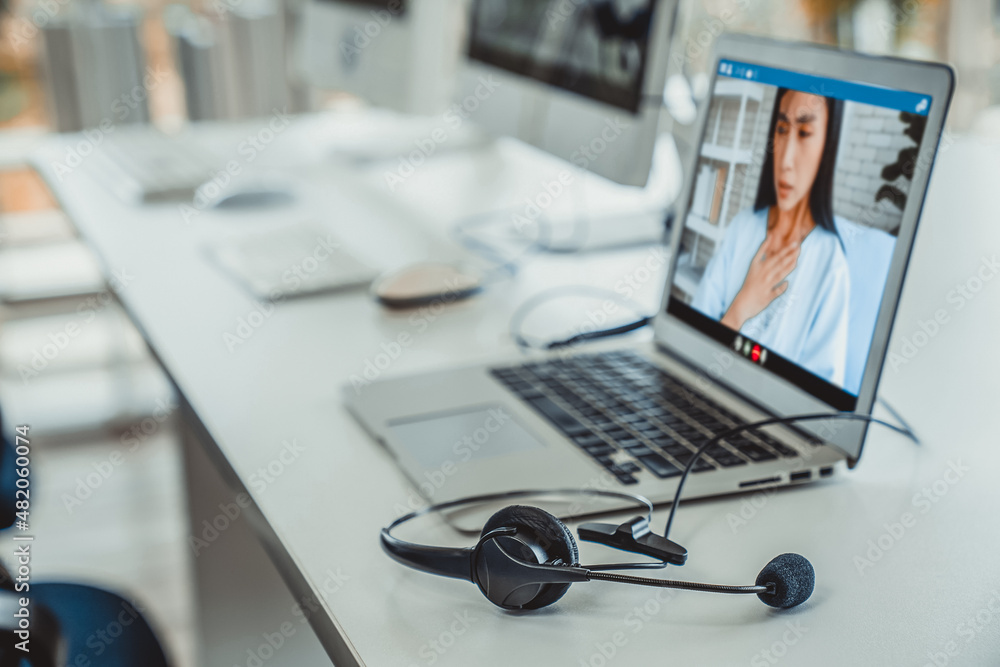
{"x": 398, "y": 54}
{"x": 580, "y": 79}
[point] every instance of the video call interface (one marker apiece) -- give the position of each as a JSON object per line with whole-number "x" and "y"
{"x": 595, "y": 48}
{"x": 798, "y": 197}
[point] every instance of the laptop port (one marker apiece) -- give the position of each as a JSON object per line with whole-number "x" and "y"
{"x": 826, "y": 472}
{"x": 800, "y": 476}
{"x": 758, "y": 482}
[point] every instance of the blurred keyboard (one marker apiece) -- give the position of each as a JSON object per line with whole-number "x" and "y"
{"x": 143, "y": 165}
{"x": 294, "y": 260}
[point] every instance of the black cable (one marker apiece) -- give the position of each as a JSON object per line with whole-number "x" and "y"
{"x": 768, "y": 422}
{"x": 685, "y": 585}
{"x": 898, "y": 417}
{"x": 504, "y": 496}
{"x": 605, "y": 333}
{"x": 654, "y": 565}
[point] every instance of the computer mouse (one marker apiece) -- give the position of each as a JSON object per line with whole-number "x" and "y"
{"x": 427, "y": 283}
{"x": 264, "y": 197}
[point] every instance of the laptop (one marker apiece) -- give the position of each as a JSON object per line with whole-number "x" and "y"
{"x": 787, "y": 259}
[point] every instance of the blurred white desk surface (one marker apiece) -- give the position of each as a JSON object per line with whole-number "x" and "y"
{"x": 925, "y": 593}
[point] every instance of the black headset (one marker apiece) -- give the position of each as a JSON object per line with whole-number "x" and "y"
{"x": 527, "y": 558}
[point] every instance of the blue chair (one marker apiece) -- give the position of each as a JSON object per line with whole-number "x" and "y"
{"x": 869, "y": 255}
{"x": 68, "y": 620}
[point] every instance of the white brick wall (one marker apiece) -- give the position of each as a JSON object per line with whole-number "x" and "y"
{"x": 870, "y": 139}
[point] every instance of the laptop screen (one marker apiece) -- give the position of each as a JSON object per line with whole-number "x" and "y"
{"x": 798, "y": 197}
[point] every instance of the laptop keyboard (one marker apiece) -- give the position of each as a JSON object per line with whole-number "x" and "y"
{"x": 629, "y": 415}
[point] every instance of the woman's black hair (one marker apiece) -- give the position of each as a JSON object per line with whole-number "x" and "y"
{"x": 821, "y": 194}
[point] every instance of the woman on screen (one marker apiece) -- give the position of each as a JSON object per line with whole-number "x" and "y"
{"x": 780, "y": 275}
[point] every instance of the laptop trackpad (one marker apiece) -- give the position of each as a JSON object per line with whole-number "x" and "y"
{"x": 476, "y": 433}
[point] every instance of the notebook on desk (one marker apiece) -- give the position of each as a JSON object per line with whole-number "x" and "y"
{"x": 796, "y": 226}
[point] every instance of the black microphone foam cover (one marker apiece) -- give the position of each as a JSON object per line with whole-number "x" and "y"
{"x": 792, "y": 577}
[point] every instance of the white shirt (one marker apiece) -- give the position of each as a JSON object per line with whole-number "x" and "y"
{"x": 808, "y": 324}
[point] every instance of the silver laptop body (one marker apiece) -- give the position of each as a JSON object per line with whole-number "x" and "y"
{"x": 461, "y": 431}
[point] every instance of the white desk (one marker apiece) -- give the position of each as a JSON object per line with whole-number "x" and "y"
{"x": 324, "y": 511}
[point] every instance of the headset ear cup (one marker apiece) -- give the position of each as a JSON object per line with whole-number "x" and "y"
{"x": 547, "y": 533}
